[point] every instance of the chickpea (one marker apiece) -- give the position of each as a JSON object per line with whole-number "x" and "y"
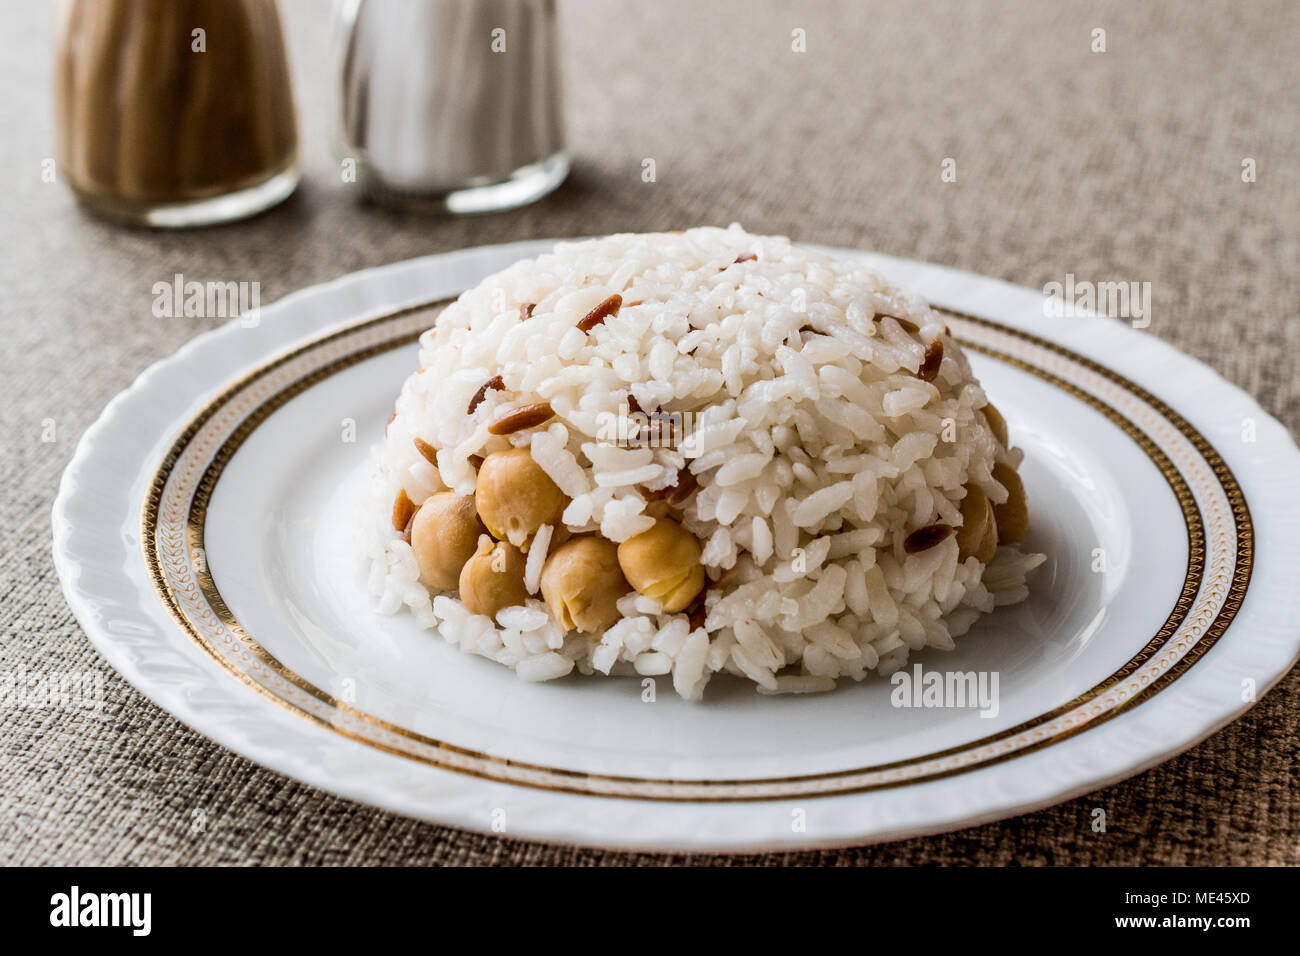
{"x": 1013, "y": 515}
{"x": 493, "y": 578}
{"x": 515, "y": 497}
{"x": 664, "y": 563}
{"x": 581, "y": 584}
{"x": 978, "y": 534}
{"x": 443, "y": 536}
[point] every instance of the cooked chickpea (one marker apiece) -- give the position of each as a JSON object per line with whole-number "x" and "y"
{"x": 515, "y": 497}
{"x": 443, "y": 536}
{"x": 581, "y": 584}
{"x": 664, "y": 563}
{"x": 978, "y": 534}
{"x": 493, "y": 578}
{"x": 1013, "y": 515}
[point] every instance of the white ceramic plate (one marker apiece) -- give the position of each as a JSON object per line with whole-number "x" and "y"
{"x": 202, "y": 536}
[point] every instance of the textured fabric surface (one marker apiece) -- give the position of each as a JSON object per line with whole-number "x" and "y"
{"x": 1122, "y": 165}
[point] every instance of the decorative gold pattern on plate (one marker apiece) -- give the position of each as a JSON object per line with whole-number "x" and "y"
{"x": 1220, "y": 550}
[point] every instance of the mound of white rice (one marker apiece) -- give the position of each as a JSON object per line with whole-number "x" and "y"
{"x": 816, "y": 438}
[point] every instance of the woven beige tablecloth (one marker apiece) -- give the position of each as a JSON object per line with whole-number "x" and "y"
{"x": 1119, "y": 165}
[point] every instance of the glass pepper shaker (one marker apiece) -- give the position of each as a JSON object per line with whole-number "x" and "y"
{"x": 174, "y": 112}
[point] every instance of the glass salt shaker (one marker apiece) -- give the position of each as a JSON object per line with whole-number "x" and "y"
{"x": 450, "y": 105}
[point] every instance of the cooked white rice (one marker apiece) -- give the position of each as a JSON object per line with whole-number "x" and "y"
{"x": 816, "y": 453}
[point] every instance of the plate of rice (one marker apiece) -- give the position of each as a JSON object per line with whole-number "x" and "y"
{"x": 687, "y": 541}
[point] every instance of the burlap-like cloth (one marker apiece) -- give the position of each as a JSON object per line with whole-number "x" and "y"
{"x": 1125, "y": 165}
